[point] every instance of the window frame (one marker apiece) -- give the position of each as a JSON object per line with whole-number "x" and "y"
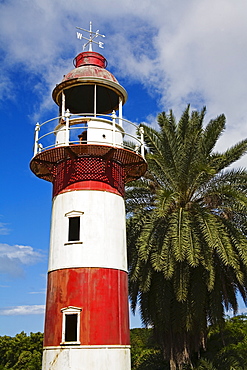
{"x": 70, "y": 310}
{"x": 73, "y": 214}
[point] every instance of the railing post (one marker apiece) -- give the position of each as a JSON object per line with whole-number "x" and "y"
{"x": 63, "y": 105}
{"x": 36, "y": 140}
{"x": 95, "y": 100}
{"x": 67, "y": 117}
{"x": 114, "y": 128}
{"x": 120, "y": 112}
{"x": 142, "y": 141}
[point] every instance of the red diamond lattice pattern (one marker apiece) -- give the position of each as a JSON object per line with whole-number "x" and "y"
{"x": 88, "y": 168}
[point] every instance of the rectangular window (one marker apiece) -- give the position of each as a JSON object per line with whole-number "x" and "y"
{"x": 74, "y": 229}
{"x": 71, "y": 325}
{"x": 71, "y": 328}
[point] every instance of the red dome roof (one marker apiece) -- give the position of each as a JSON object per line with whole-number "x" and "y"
{"x": 90, "y": 71}
{"x": 90, "y": 64}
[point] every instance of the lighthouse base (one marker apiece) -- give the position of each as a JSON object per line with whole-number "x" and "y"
{"x": 86, "y": 357}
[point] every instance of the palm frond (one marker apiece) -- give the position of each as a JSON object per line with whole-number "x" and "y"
{"x": 187, "y": 231}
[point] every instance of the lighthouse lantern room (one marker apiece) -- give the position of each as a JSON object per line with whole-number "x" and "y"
{"x": 88, "y": 153}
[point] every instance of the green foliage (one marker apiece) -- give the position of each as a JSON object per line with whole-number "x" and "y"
{"x": 21, "y": 352}
{"x": 186, "y": 232}
{"x": 227, "y": 345}
{"x": 226, "y": 348}
{"x": 145, "y": 355}
{"x": 204, "y": 364}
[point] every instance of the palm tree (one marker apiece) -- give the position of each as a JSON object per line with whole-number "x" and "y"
{"x": 186, "y": 233}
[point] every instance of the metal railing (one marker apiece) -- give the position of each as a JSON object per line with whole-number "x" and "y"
{"x": 70, "y": 124}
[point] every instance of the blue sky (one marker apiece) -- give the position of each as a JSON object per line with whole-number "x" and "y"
{"x": 165, "y": 53}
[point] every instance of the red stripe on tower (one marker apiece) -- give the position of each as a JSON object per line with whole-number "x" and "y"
{"x": 101, "y": 293}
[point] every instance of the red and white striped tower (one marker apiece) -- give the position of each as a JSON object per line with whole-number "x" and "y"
{"x": 85, "y": 158}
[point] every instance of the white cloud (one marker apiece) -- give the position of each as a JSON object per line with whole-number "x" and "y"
{"x": 189, "y": 52}
{"x": 13, "y": 257}
{"x": 6, "y": 87}
{"x": 23, "y": 310}
{"x": 3, "y": 229}
{"x": 40, "y": 292}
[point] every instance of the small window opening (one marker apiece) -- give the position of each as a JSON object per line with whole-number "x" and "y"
{"x": 71, "y": 328}
{"x": 74, "y": 228}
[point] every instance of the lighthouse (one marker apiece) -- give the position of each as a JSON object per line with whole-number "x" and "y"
{"x": 89, "y": 152}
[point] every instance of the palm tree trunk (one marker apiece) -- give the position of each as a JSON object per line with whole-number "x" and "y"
{"x": 173, "y": 365}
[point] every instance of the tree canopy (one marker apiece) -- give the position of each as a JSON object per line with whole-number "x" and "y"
{"x": 226, "y": 348}
{"x": 21, "y": 352}
{"x": 186, "y": 232}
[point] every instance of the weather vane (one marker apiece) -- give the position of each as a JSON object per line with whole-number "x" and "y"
{"x": 90, "y": 40}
